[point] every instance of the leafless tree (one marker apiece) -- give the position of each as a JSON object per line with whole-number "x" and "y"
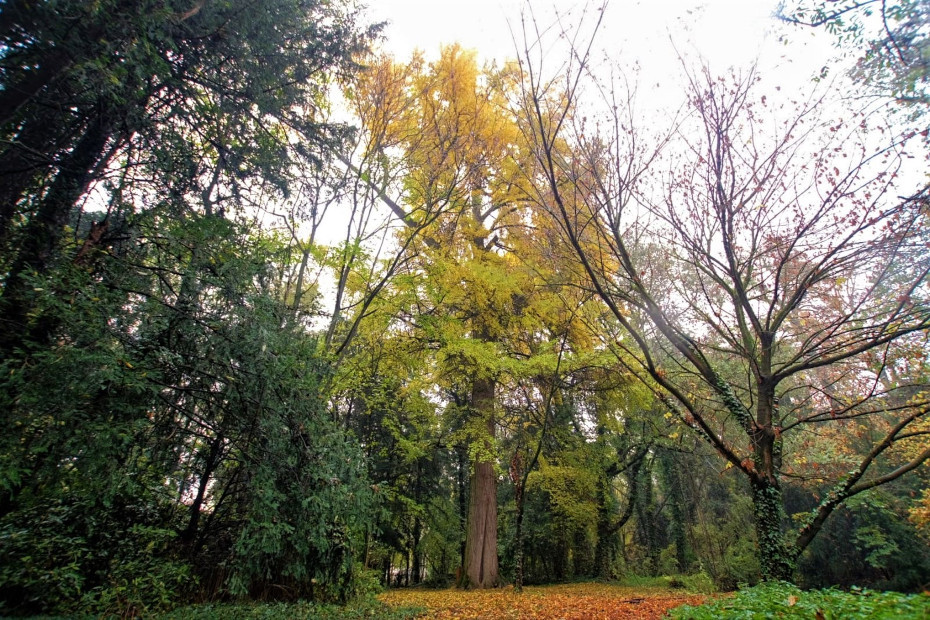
{"x": 769, "y": 266}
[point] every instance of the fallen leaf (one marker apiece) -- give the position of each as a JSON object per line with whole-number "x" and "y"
{"x": 558, "y": 602}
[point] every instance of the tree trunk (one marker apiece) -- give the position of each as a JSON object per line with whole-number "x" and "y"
{"x": 518, "y": 545}
{"x": 463, "y": 506}
{"x": 645, "y": 507}
{"x": 45, "y": 229}
{"x": 607, "y": 542}
{"x": 481, "y": 569}
{"x": 18, "y": 94}
{"x": 212, "y": 460}
{"x": 29, "y": 154}
{"x": 417, "y": 567}
{"x": 775, "y": 558}
{"x": 606, "y": 549}
{"x": 674, "y": 487}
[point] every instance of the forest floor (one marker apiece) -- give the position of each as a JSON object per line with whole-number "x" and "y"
{"x": 575, "y": 601}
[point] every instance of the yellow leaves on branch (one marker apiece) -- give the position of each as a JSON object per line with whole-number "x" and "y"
{"x": 564, "y": 602}
{"x": 919, "y": 514}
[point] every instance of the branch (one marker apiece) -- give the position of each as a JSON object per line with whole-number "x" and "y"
{"x": 851, "y": 485}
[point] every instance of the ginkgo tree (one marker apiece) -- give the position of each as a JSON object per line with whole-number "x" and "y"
{"x": 478, "y": 291}
{"x": 749, "y": 251}
{"x": 445, "y": 141}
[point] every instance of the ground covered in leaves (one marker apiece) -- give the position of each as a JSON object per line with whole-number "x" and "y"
{"x": 557, "y": 602}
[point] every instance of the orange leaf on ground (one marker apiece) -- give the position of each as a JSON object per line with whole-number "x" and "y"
{"x": 560, "y": 602}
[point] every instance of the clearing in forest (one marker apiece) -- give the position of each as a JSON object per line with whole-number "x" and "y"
{"x": 564, "y": 602}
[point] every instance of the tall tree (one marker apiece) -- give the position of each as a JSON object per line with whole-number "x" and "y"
{"x": 140, "y": 141}
{"x": 457, "y": 174}
{"x": 202, "y": 96}
{"x": 784, "y": 250}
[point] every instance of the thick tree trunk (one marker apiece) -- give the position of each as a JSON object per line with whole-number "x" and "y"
{"x": 481, "y": 569}
{"x": 775, "y": 558}
{"x": 46, "y": 228}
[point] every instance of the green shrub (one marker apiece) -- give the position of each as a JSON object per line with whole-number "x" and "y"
{"x": 701, "y": 583}
{"x": 81, "y": 557}
{"x": 366, "y": 607}
{"x": 783, "y": 600}
{"x": 644, "y": 582}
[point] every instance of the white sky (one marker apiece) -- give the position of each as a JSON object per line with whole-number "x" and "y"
{"x": 724, "y": 32}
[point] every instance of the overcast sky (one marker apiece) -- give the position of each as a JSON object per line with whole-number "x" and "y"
{"x": 724, "y": 32}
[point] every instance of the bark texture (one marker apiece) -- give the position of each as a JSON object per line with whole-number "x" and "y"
{"x": 481, "y": 567}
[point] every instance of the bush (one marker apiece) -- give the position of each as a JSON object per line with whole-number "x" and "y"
{"x": 80, "y": 557}
{"x": 701, "y": 583}
{"x": 361, "y": 608}
{"x": 783, "y": 600}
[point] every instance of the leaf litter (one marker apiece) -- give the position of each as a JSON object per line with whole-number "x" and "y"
{"x": 580, "y": 601}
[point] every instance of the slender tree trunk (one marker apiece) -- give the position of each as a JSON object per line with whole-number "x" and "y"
{"x": 607, "y": 528}
{"x": 463, "y": 507}
{"x": 606, "y": 534}
{"x": 673, "y": 484}
{"x": 417, "y": 525}
{"x": 417, "y": 533}
{"x": 299, "y": 290}
{"x": 213, "y": 457}
{"x": 481, "y": 567}
{"x": 31, "y": 150}
{"x": 406, "y": 569}
{"x": 644, "y": 517}
{"x": 21, "y": 92}
{"x": 518, "y": 546}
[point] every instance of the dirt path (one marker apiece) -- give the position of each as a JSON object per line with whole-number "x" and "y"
{"x": 580, "y": 601}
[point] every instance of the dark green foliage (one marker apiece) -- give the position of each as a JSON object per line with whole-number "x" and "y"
{"x": 102, "y": 559}
{"x": 782, "y": 600}
{"x": 190, "y": 427}
{"x": 169, "y": 434}
{"x": 194, "y": 102}
{"x": 417, "y": 530}
{"x": 869, "y": 544}
{"x": 362, "y": 608}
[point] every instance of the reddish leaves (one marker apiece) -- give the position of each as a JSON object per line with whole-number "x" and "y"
{"x": 561, "y": 602}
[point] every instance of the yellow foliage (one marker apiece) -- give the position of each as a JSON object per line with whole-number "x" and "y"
{"x": 919, "y": 514}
